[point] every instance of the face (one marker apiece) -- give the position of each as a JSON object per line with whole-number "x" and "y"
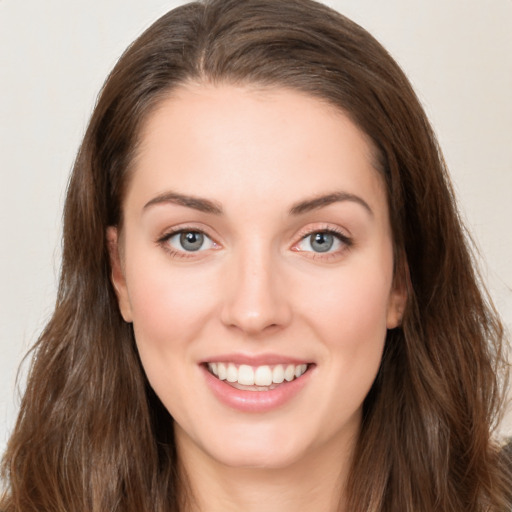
{"x": 256, "y": 264}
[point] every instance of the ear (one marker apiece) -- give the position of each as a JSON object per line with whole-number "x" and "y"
{"x": 397, "y": 299}
{"x": 117, "y": 274}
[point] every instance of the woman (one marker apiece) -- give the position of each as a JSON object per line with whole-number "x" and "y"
{"x": 266, "y": 301}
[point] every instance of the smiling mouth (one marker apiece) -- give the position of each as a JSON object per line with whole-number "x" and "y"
{"x": 256, "y": 378}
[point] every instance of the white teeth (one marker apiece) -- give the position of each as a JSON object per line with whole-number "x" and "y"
{"x": 299, "y": 370}
{"x": 221, "y": 371}
{"x": 260, "y": 375}
{"x": 278, "y": 374}
{"x": 231, "y": 373}
{"x": 263, "y": 376}
{"x": 246, "y": 375}
{"x": 289, "y": 373}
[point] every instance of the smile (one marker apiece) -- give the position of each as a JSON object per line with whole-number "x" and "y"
{"x": 256, "y": 387}
{"x": 260, "y": 378}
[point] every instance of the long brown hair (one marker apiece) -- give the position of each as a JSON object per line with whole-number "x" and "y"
{"x": 92, "y": 436}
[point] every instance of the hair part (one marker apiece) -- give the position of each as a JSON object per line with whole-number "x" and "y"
{"x": 91, "y": 433}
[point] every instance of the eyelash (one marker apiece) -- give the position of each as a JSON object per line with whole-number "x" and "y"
{"x": 163, "y": 241}
{"x": 346, "y": 242}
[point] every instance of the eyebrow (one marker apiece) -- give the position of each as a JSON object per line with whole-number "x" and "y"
{"x": 208, "y": 206}
{"x": 325, "y": 200}
{"x": 197, "y": 203}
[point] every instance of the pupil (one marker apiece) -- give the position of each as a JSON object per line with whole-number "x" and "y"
{"x": 191, "y": 241}
{"x": 322, "y": 242}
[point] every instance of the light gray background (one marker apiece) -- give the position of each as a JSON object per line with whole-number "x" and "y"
{"x": 55, "y": 54}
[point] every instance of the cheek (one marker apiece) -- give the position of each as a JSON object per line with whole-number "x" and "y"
{"x": 170, "y": 306}
{"x": 355, "y": 338}
{"x": 349, "y": 315}
{"x": 170, "y": 313}
{"x": 351, "y": 300}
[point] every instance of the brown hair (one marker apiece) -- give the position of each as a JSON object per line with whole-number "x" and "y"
{"x": 92, "y": 436}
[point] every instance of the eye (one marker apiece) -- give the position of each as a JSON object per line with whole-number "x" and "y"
{"x": 323, "y": 242}
{"x": 189, "y": 241}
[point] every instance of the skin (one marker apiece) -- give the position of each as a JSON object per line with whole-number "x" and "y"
{"x": 257, "y": 286}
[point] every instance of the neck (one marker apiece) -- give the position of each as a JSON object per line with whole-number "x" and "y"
{"x": 316, "y": 482}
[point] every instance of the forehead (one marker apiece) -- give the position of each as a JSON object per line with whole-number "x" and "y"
{"x": 247, "y": 142}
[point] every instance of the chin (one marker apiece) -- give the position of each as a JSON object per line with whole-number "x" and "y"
{"x": 257, "y": 450}
{"x": 258, "y": 459}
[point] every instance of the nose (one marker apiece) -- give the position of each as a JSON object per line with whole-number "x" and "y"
{"x": 255, "y": 297}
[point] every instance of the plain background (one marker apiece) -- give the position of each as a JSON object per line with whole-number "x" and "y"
{"x": 55, "y": 54}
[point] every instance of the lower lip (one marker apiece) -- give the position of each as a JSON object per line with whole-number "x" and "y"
{"x": 255, "y": 401}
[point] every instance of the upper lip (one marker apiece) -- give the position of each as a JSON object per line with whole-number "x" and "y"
{"x": 256, "y": 359}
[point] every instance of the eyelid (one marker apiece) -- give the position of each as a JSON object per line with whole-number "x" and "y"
{"x": 340, "y": 234}
{"x": 164, "y": 238}
{"x": 343, "y": 238}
